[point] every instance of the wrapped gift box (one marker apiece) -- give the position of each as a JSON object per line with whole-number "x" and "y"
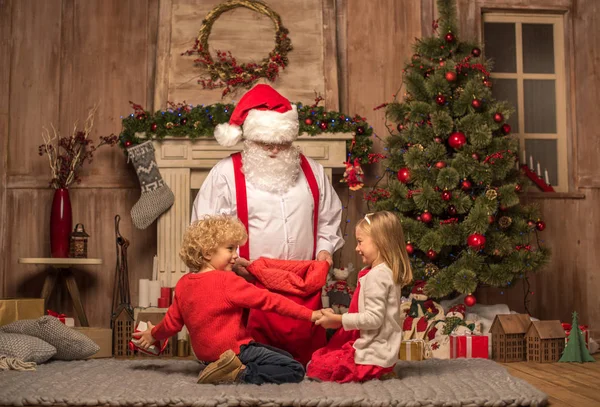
{"x": 70, "y": 322}
{"x": 413, "y": 349}
{"x": 103, "y": 337}
{"x": 15, "y": 309}
{"x": 584, "y": 329}
{"x": 468, "y": 346}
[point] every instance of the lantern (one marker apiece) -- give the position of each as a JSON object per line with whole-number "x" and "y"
{"x": 79, "y": 242}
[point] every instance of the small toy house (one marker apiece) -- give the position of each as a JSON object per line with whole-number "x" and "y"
{"x": 122, "y": 331}
{"x": 508, "y": 337}
{"x": 545, "y": 341}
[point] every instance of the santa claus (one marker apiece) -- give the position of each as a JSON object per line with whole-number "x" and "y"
{"x": 284, "y": 198}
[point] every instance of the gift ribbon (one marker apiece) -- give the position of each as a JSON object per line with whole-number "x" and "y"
{"x": 469, "y": 344}
{"x": 57, "y": 315}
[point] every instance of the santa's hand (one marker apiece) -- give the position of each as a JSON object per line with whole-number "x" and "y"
{"x": 316, "y": 315}
{"x": 240, "y": 269}
{"x": 324, "y": 255}
{"x": 329, "y": 320}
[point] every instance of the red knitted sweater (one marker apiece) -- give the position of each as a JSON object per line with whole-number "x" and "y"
{"x": 211, "y": 304}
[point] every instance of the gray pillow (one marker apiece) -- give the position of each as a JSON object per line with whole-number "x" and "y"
{"x": 25, "y": 347}
{"x": 69, "y": 344}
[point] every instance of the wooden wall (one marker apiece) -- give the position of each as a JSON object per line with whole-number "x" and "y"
{"x": 63, "y": 56}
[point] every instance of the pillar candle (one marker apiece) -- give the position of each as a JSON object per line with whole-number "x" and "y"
{"x": 546, "y": 176}
{"x": 144, "y": 293}
{"x": 531, "y": 162}
{"x": 154, "y": 292}
{"x": 524, "y": 158}
{"x": 539, "y": 171}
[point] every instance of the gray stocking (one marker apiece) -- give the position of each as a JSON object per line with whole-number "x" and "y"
{"x": 156, "y": 197}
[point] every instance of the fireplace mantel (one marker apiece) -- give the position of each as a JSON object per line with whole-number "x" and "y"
{"x": 184, "y": 165}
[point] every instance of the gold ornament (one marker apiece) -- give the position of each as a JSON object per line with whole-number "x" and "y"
{"x": 491, "y": 194}
{"x": 196, "y": 124}
{"x": 169, "y": 125}
{"x": 505, "y": 222}
{"x": 431, "y": 269}
{"x": 419, "y": 147}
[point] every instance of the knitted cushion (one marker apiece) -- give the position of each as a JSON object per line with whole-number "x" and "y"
{"x": 69, "y": 344}
{"x": 25, "y": 347}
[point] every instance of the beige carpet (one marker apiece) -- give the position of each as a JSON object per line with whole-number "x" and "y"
{"x": 163, "y": 382}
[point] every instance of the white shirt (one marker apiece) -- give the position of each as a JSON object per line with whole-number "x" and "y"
{"x": 280, "y": 225}
{"x": 377, "y": 318}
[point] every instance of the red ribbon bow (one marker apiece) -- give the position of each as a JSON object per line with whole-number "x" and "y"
{"x": 57, "y": 315}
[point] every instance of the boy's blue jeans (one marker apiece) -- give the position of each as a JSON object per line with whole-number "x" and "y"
{"x": 267, "y": 364}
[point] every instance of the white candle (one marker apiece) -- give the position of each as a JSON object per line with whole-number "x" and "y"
{"x": 531, "y": 162}
{"x": 144, "y": 293}
{"x": 154, "y": 293}
{"x": 539, "y": 171}
{"x": 546, "y": 176}
{"x": 524, "y": 158}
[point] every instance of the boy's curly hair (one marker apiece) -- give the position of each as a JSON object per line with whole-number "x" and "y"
{"x": 204, "y": 236}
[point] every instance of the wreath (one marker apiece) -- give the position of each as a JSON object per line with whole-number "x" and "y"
{"x": 193, "y": 122}
{"x": 225, "y": 72}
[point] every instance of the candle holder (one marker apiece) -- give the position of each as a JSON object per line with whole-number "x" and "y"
{"x": 78, "y": 247}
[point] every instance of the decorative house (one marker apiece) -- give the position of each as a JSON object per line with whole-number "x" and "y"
{"x": 508, "y": 337}
{"x": 545, "y": 341}
{"x": 122, "y": 330}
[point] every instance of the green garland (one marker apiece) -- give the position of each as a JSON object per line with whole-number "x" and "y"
{"x": 193, "y": 122}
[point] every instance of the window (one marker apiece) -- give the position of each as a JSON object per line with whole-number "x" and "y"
{"x": 529, "y": 72}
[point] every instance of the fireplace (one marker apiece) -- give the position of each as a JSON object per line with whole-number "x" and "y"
{"x": 185, "y": 163}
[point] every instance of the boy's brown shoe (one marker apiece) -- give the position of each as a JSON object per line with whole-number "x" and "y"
{"x": 224, "y": 370}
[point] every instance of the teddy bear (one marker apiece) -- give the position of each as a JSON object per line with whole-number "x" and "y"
{"x": 339, "y": 291}
{"x": 420, "y": 313}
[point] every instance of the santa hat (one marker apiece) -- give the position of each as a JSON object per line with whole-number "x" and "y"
{"x": 418, "y": 287}
{"x": 265, "y": 116}
{"x": 457, "y": 309}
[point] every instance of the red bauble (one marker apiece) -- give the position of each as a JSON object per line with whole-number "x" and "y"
{"x": 476, "y": 52}
{"x": 518, "y": 188}
{"x": 404, "y": 175}
{"x": 470, "y": 300}
{"x": 410, "y": 249}
{"x": 452, "y": 210}
{"x": 449, "y": 37}
{"x": 457, "y": 140}
{"x": 475, "y": 156}
{"x": 506, "y": 128}
{"x": 465, "y": 185}
{"x": 308, "y": 122}
{"x": 323, "y": 126}
{"x": 440, "y": 99}
{"x": 426, "y": 217}
{"x": 446, "y": 195}
{"x": 491, "y": 219}
{"x": 450, "y": 76}
{"x": 487, "y": 83}
{"x": 476, "y": 241}
{"x": 153, "y": 126}
{"x": 438, "y": 139}
{"x": 440, "y": 165}
{"x": 141, "y": 116}
{"x": 476, "y": 104}
{"x": 183, "y": 121}
{"x": 498, "y": 117}
{"x": 360, "y": 130}
{"x": 540, "y": 225}
{"x": 431, "y": 254}
{"x": 400, "y": 127}
{"x": 127, "y": 143}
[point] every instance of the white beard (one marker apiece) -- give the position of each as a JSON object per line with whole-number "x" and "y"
{"x": 272, "y": 174}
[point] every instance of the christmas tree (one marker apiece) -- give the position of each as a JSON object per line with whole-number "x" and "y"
{"x": 452, "y": 172}
{"x": 576, "y": 351}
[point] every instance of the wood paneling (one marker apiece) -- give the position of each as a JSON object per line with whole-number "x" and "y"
{"x": 6, "y": 50}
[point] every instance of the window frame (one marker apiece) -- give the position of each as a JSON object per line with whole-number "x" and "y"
{"x": 559, "y": 76}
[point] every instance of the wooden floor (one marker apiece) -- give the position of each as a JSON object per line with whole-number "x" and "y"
{"x": 567, "y": 384}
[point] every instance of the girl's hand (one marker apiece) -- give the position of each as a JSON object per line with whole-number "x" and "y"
{"x": 144, "y": 339}
{"x": 329, "y": 319}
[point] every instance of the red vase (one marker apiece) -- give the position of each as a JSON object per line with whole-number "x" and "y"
{"x": 61, "y": 223}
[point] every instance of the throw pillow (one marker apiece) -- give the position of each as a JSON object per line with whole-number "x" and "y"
{"x": 69, "y": 344}
{"x": 25, "y": 347}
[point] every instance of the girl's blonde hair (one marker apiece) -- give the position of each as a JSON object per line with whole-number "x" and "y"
{"x": 385, "y": 230}
{"x": 204, "y": 236}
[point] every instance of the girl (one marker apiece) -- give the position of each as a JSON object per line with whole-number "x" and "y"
{"x": 367, "y": 346}
{"x": 210, "y": 302}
